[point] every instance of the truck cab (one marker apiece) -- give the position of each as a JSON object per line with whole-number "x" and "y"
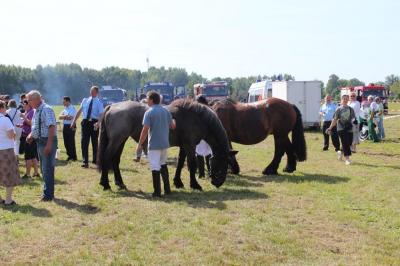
{"x": 259, "y": 90}
{"x": 166, "y": 89}
{"x": 362, "y": 93}
{"x": 217, "y": 90}
{"x": 109, "y": 95}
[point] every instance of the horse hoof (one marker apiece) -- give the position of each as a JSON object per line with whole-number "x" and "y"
{"x": 105, "y": 188}
{"x": 269, "y": 172}
{"x": 196, "y": 187}
{"x": 288, "y": 170}
{"x": 122, "y": 187}
{"x": 178, "y": 183}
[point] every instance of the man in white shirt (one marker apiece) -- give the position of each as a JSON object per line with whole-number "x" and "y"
{"x": 67, "y": 115}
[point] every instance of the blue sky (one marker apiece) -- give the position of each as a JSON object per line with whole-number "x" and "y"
{"x": 308, "y": 39}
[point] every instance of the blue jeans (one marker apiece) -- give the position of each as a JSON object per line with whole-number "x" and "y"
{"x": 47, "y": 165}
{"x": 381, "y": 130}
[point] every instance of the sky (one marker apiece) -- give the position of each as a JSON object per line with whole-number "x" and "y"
{"x": 309, "y": 39}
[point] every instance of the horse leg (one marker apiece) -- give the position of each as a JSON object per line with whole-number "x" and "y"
{"x": 104, "y": 177}
{"x": 191, "y": 158}
{"x": 117, "y": 173}
{"x": 200, "y": 166}
{"x": 181, "y": 160}
{"x": 104, "y": 181}
{"x": 232, "y": 162}
{"x": 291, "y": 159}
{"x": 280, "y": 145}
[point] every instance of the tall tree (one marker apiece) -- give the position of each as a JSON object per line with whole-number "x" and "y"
{"x": 332, "y": 85}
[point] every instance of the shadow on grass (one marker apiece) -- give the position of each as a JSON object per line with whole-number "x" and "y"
{"x": 377, "y": 165}
{"x": 30, "y": 182}
{"x": 84, "y": 208}
{"x": 244, "y": 181}
{"x": 391, "y": 140}
{"x": 205, "y": 199}
{"x": 27, "y": 209}
{"x": 328, "y": 179}
{"x": 62, "y": 163}
{"x": 127, "y": 169}
{"x": 371, "y": 153}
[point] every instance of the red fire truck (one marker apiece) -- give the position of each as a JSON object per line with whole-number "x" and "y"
{"x": 365, "y": 91}
{"x": 213, "y": 91}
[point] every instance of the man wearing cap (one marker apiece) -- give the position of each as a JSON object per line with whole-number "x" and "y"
{"x": 92, "y": 109}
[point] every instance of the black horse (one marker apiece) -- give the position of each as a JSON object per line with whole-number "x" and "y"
{"x": 193, "y": 123}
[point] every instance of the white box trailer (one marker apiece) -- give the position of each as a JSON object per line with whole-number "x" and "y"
{"x": 306, "y": 95}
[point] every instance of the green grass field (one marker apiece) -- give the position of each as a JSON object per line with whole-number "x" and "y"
{"x": 326, "y": 213}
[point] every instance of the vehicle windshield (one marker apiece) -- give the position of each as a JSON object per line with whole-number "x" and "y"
{"x": 373, "y": 93}
{"x": 165, "y": 90}
{"x": 112, "y": 94}
{"x": 216, "y": 91}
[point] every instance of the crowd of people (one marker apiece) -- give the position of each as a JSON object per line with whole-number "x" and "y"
{"x": 30, "y": 129}
{"x": 345, "y": 122}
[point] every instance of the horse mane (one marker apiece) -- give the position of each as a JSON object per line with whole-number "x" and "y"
{"x": 209, "y": 118}
{"x": 227, "y": 100}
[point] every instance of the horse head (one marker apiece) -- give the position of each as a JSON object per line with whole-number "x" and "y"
{"x": 219, "y": 166}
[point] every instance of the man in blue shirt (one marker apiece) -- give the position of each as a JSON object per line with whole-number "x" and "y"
{"x": 327, "y": 111}
{"x": 92, "y": 109}
{"x": 67, "y": 115}
{"x": 156, "y": 124}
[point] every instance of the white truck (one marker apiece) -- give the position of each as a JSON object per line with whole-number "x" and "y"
{"x": 306, "y": 95}
{"x": 260, "y": 90}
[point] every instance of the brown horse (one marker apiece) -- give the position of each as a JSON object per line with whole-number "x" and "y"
{"x": 251, "y": 123}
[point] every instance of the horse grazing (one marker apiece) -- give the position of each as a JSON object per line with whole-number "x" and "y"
{"x": 193, "y": 123}
{"x": 251, "y": 123}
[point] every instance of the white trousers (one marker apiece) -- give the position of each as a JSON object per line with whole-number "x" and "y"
{"x": 157, "y": 158}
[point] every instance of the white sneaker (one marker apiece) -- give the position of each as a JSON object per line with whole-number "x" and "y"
{"x": 339, "y": 155}
{"x": 348, "y": 162}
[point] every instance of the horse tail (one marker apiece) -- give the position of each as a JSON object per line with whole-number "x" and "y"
{"x": 103, "y": 141}
{"x": 298, "y": 139}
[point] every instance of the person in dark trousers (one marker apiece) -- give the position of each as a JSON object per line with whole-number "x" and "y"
{"x": 92, "y": 109}
{"x": 156, "y": 124}
{"x": 326, "y": 112}
{"x": 67, "y": 115}
{"x": 344, "y": 118}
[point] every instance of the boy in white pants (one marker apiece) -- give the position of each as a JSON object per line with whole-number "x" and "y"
{"x": 156, "y": 124}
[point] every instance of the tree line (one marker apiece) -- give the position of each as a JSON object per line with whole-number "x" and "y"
{"x": 74, "y": 81}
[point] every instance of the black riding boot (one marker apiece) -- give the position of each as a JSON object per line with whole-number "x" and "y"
{"x": 200, "y": 166}
{"x": 208, "y": 164}
{"x": 156, "y": 183}
{"x": 165, "y": 178}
